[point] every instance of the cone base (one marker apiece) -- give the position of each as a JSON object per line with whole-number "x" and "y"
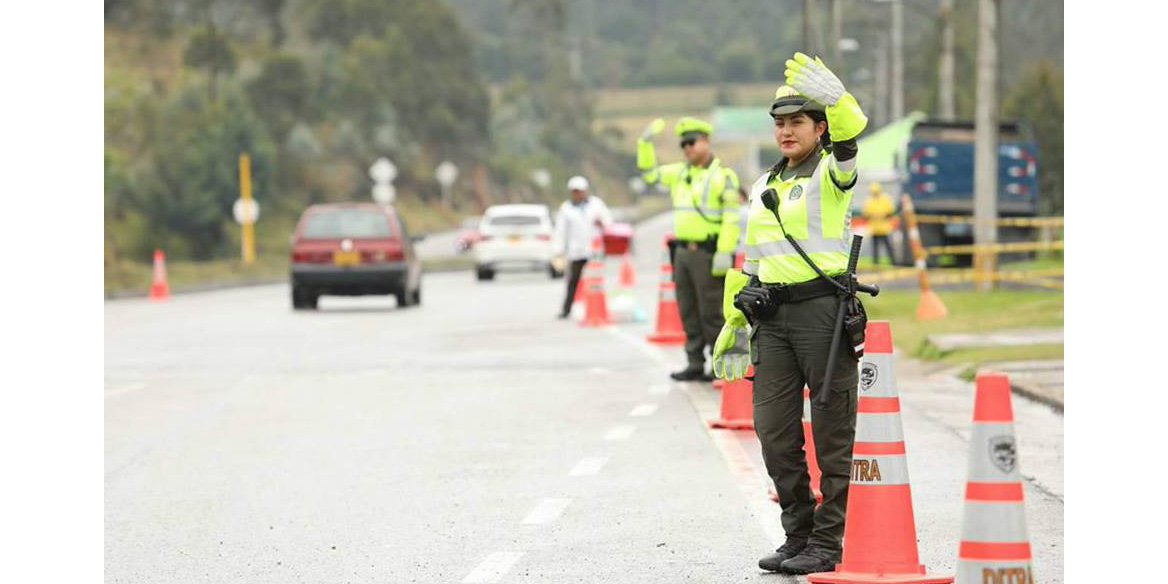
{"x": 666, "y": 338}
{"x": 732, "y": 424}
{"x": 719, "y": 383}
{"x": 931, "y": 306}
{"x": 864, "y": 578}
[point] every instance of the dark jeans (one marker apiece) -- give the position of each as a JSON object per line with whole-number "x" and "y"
{"x": 877, "y": 240}
{"x": 575, "y": 268}
{"x": 699, "y": 300}
{"x": 792, "y": 350}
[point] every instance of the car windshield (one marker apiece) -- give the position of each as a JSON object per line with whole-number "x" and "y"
{"x": 514, "y": 220}
{"x": 336, "y": 223}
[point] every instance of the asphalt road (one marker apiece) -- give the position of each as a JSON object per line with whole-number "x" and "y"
{"x": 473, "y": 439}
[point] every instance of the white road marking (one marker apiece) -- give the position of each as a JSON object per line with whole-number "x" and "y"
{"x": 620, "y": 432}
{"x": 546, "y": 511}
{"x": 644, "y": 410}
{"x": 749, "y": 482}
{"x": 118, "y": 392}
{"x": 660, "y": 389}
{"x": 599, "y": 370}
{"x": 653, "y": 352}
{"x": 588, "y": 466}
{"x": 493, "y": 568}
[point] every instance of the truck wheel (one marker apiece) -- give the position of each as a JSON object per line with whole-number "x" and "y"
{"x": 484, "y": 273}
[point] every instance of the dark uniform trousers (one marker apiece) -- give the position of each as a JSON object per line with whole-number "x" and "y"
{"x": 575, "y": 268}
{"x": 792, "y": 349}
{"x": 699, "y": 300}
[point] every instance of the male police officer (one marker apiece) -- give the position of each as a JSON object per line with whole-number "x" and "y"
{"x": 705, "y": 228}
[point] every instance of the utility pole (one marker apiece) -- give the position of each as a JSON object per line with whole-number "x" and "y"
{"x": 897, "y": 61}
{"x": 807, "y": 9}
{"x": 881, "y": 79}
{"x": 985, "y": 158}
{"x": 836, "y": 33}
{"x": 945, "y": 109}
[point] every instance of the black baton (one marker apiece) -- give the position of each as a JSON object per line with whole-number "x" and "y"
{"x": 844, "y": 297}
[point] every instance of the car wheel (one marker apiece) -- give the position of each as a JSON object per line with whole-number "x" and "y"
{"x": 484, "y": 273}
{"x": 303, "y": 298}
{"x": 418, "y": 296}
{"x": 403, "y": 298}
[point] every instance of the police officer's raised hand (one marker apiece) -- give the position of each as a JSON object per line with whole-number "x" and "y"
{"x": 812, "y": 79}
{"x": 655, "y": 127}
{"x": 732, "y": 351}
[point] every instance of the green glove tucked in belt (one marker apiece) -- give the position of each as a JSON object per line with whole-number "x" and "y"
{"x": 723, "y": 261}
{"x": 732, "y": 349}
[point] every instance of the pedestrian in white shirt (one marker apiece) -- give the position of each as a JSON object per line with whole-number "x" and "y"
{"x": 580, "y": 219}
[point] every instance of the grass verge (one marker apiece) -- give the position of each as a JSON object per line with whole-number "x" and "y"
{"x": 971, "y": 311}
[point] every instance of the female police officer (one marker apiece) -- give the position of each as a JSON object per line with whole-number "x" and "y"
{"x": 816, "y": 123}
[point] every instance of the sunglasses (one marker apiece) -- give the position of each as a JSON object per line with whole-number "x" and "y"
{"x": 688, "y": 142}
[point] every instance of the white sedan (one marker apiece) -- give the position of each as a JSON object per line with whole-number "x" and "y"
{"x": 515, "y": 237}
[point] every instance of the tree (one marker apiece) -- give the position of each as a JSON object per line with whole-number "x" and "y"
{"x": 1037, "y": 100}
{"x": 280, "y": 92}
{"x": 209, "y": 49}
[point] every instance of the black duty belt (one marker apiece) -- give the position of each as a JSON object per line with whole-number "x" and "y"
{"x": 788, "y": 293}
{"x": 710, "y": 245}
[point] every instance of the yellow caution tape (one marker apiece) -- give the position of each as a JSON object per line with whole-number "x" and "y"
{"x": 1009, "y": 221}
{"x": 1036, "y": 277}
{"x": 995, "y": 247}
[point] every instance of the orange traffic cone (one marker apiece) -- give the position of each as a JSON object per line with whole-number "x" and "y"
{"x": 994, "y": 543}
{"x": 159, "y": 288}
{"x": 809, "y": 450}
{"x": 628, "y": 274}
{"x": 880, "y": 535}
{"x": 668, "y": 330}
{"x": 930, "y": 305}
{"x": 595, "y": 304}
{"x": 737, "y": 404}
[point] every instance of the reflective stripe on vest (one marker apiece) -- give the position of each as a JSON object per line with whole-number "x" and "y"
{"x": 778, "y": 260}
{"x": 713, "y": 214}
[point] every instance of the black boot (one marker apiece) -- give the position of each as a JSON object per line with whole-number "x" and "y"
{"x": 812, "y": 559}
{"x": 790, "y": 549}
{"x": 691, "y": 373}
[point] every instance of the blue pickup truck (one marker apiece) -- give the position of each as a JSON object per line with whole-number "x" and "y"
{"x": 938, "y": 171}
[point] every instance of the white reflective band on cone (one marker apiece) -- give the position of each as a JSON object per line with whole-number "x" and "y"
{"x": 994, "y": 572}
{"x": 1002, "y": 521}
{"x": 668, "y": 294}
{"x": 806, "y": 409}
{"x": 876, "y": 376}
{"x": 883, "y": 427}
{"x": 879, "y": 469}
{"x": 993, "y": 453}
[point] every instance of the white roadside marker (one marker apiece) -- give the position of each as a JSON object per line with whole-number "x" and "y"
{"x": 493, "y": 568}
{"x": 620, "y": 433}
{"x": 588, "y": 466}
{"x": 644, "y": 410}
{"x": 546, "y": 511}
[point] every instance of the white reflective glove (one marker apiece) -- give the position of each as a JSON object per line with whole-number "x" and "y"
{"x": 811, "y": 78}
{"x": 655, "y": 127}
{"x": 732, "y": 352}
